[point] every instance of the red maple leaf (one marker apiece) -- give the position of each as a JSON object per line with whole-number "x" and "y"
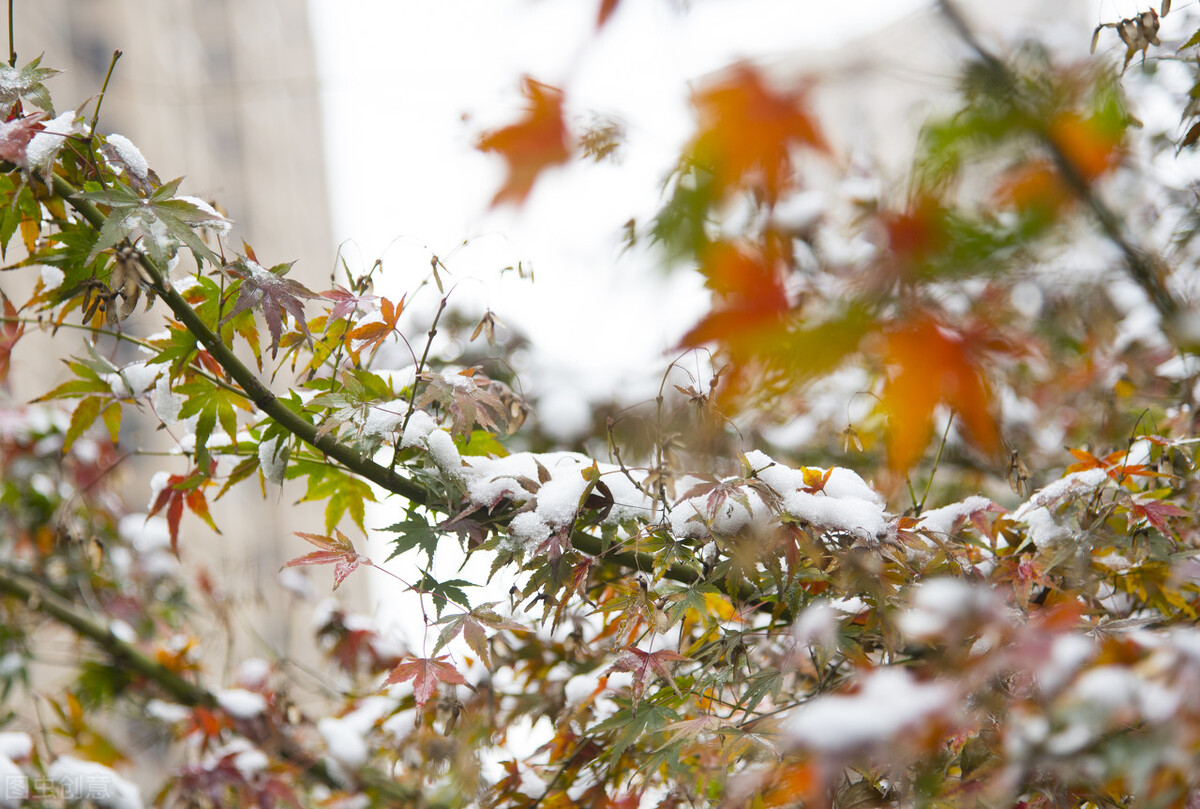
{"x": 10, "y": 331}
{"x": 1156, "y": 513}
{"x": 345, "y": 302}
{"x": 930, "y": 364}
{"x": 338, "y": 552}
{"x": 15, "y": 135}
{"x": 748, "y": 130}
{"x": 425, "y": 672}
{"x": 534, "y": 143}
{"x": 183, "y": 491}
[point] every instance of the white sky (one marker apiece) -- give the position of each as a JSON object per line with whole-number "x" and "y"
{"x": 408, "y": 86}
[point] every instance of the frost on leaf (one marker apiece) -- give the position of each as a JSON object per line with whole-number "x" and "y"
{"x": 18, "y": 84}
{"x": 531, "y": 145}
{"x": 336, "y": 550}
{"x": 471, "y": 399}
{"x": 272, "y": 294}
{"x": 159, "y": 223}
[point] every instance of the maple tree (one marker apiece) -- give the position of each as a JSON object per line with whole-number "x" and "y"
{"x": 929, "y": 602}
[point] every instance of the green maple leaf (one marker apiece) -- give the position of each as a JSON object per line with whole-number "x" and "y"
{"x": 160, "y": 223}
{"x": 414, "y": 532}
{"x": 213, "y": 404}
{"x": 17, "y": 84}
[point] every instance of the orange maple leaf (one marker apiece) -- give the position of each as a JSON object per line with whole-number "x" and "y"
{"x": 750, "y": 294}
{"x": 748, "y": 130}
{"x": 532, "y": 144}
{"x": 929, "y": 364}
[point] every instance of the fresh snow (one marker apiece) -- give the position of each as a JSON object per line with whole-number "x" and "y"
{"x": 87, "y": 780}
{"x": 889, "y": 702}
{"x": 44, "y": 146}
{"x": 947, "y": 519}
{"x": 14, "y": 786}
{"x": 15, "y": 745}
{"x": 134, "y": 161}
{"x": 240, "y": 703}
{"x": 938, "y": 603}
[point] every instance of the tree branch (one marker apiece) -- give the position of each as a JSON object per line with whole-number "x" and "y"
{"x": 1145, "y": 268}
{"x": 253, "y": 389}
{"x": 126, "y": 656}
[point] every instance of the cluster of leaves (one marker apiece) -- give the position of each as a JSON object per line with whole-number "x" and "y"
{"x": 688, "y": 621}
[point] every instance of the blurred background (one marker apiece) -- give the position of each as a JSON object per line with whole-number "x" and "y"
{"x": 339, "y": 133}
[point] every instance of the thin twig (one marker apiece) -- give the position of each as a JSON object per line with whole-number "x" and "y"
{"x": 12, "y": 48}
{"x": 936, "y": 461}
{"x": 103, "y": 89}
{"x": 412, "y": 399}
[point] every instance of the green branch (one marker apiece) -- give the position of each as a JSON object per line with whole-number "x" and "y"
{"x": 256, "y": 392}
{"x": 252, "y": 388}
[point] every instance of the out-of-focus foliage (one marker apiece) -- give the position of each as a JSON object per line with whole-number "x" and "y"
{"x": 930, "y": 603}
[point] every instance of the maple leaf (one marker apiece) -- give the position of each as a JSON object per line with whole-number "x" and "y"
{"x": 178, "y": 492}
{"x": 747, "y": 132}
{"x": 929, "y": 364}
{"x": 161, "y": 222}
{"x": 471, "y": 398}
{"x": 345, "y": 302}
{"x": 10, "y": 332}
{"x": 336, "y": 550}
{"x": 426, "y": 673}
{"x": 373, "y": 334}
{"x": 750, "y": 294}
{"x": 534, "y": 143}
{"x": 15, "y": 136}
{"x": 641, "y": 663}
{"x": 26, "y": 83}
{"x": 273, "y": 294}
{"x": 1156, "y": 511}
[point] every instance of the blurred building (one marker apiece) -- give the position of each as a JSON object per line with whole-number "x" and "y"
{"x": 224, "y": 92}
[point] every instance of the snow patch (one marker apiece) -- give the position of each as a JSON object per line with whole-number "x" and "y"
{"x": 889, "y": 702}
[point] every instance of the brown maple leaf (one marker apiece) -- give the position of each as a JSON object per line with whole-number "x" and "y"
{"x": 641, "y": 663}
{"x": 534, "y": 143}
{"x": 271, "y": 293}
